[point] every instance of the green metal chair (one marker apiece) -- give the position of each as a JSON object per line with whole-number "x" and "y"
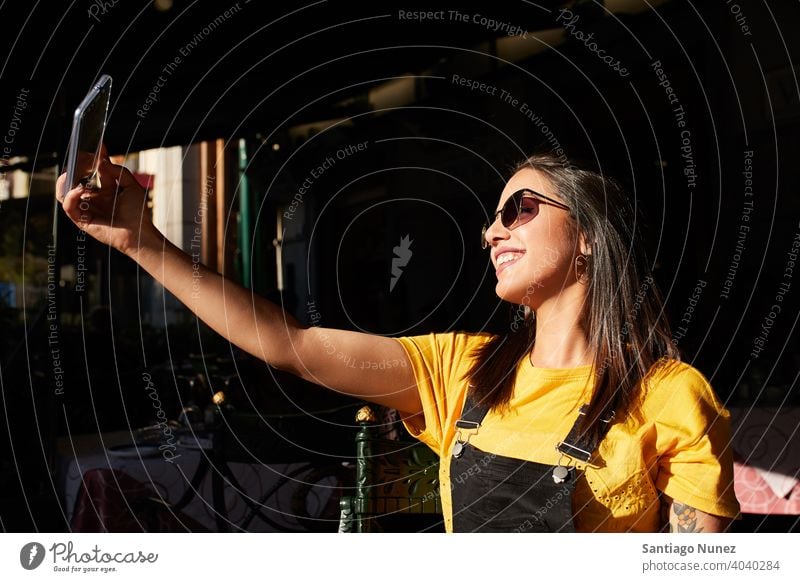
{"x": 397, "y": 484}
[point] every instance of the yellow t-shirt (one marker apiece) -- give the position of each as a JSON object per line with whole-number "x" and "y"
{"x": 674, "y": 440}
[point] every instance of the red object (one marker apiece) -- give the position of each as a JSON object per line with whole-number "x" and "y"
{"x": 756, "y": 496}
{"x": 766, "y": 443}
{"x": 146, "y": 181}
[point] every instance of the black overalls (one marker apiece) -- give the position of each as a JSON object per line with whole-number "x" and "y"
{"x": 493, "y": 493}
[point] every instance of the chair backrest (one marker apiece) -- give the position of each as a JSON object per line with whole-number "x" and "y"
{"x": 397, "y": 484}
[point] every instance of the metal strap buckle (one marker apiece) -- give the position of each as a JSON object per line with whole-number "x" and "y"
{"x": 461, "y": 423}
{"x": 561, "y": 472}
{"x": 571, "y": 450}
{"x": 609, "y": 418}
{"x": 458, "y": 447}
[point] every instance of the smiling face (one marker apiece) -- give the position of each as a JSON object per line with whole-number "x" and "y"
{"x": 535, "y": 261}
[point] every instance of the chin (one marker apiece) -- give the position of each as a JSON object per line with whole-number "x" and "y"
{"x": 516, "y": 288}
{"x": 512, "y": 292}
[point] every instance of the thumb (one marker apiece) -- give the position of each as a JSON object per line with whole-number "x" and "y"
{"x": 122, "y": 175}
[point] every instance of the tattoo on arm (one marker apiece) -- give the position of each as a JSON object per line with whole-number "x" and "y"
{"x": 687, "y": 519}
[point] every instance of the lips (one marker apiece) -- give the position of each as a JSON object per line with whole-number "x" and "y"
{"x": 506, "y": 257}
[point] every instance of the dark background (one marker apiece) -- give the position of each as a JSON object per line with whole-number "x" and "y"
{"x": 434, "y": 166}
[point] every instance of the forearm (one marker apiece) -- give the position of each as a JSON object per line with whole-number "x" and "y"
{"x": 363, "y": 365}
{"x": 681, "y": 518}
{"x": 247, "y": 320}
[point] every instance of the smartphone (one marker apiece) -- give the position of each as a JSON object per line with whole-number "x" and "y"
{"x": 88, "y": 128}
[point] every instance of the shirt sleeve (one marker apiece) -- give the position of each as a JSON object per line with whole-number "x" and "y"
{"x": 439, "y": 362}
{"x": 695, "y": 461}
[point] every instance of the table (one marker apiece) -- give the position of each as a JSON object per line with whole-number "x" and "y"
{"x": 144, "y": 490}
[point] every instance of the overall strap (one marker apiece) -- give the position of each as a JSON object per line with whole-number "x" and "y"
{"x": 472, "y": 414}
{"x": 581, "y": 445}
{"x": 576, "y": 445}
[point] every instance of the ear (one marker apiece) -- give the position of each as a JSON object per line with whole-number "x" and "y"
{"x": 583, "y": 244}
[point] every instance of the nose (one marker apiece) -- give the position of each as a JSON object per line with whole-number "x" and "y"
{"x": 495, "y": 232}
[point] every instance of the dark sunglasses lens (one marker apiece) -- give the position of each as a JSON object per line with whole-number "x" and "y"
{"x": 510, "y": 211}
{"x": 519, "y": 209}
{"x": 529, "y": 208}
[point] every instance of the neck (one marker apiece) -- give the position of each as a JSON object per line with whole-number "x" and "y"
{"x": 561, "y": 336}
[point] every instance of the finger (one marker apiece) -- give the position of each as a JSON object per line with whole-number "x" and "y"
{"x": 107, "y": 177}
{"x": 60, "y": 183}
{"x": 121, "y": 174}
{"x": 75, "y": 192}
{"x": 76, "y": 209}
{"x": 90, "y": 195}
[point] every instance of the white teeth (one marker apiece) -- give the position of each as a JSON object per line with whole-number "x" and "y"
{"x": 506, "y": 257}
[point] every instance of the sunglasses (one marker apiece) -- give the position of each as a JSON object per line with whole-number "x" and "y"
{"x": 520, "y": 208}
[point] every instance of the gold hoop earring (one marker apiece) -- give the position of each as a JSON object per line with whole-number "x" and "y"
{"x": 582, "y": 267}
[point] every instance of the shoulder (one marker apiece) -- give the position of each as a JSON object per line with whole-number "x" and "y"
{"x": 671, "y": 370}
{"x": 449, "y": 343}
{"x": 674, "y": 385}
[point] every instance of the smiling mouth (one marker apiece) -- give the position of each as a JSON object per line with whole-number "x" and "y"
{"x": 505, "y": 260}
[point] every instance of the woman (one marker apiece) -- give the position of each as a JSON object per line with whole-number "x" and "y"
{"x": 579, "y": 418}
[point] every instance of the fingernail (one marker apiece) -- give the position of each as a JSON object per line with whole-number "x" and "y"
{"x": 85, "y": 196}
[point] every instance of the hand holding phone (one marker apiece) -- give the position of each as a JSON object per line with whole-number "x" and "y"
{"x": 88, "y": 129}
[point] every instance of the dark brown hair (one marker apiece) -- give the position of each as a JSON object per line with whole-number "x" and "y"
{"x": 624, "y": 310}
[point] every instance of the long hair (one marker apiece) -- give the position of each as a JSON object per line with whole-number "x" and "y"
{"x": 624, "y": 311}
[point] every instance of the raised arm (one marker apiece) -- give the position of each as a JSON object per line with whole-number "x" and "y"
{"x": 367, "y": 366}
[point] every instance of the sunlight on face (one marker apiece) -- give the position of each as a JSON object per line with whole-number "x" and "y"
{"x": 533, "y": 261}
